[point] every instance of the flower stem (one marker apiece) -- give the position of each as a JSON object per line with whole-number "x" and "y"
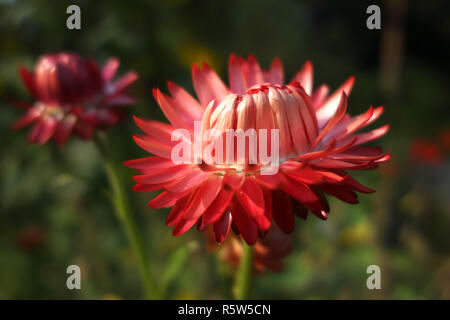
{"x": 121, "y": 205}
{"x": 242, "y": 289}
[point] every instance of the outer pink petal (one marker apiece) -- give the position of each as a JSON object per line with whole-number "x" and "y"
{"x": 366, "y": 137}
{"x": 299, "y": 191}
{"x": 147, "y": 187}
{"x": 234, "y": 181}
{"x": 109, "y": 69}
{"x": 305, "y": 77}
{"x": 171, "y": 111}
{"x": 203, "y": 198}
{"x": 276, "y": 75}
{"x": 341, "y": 192}
{"x": 350, "y": 125}
{"x": 43, "y": 130}
{"x": 123, "y": 82}
{"x": 165, "y": 199}
{"x": 217, "y": 208}
{"x": 189, "y": 105}
{"x": 149, "y": 163}
{"x": 329, "y": 107}
{"x": 30, "y": 116}
{"x": 306, "y": 175}
{"x": 188, "y": 181}
{"x": 177, "y": 210}
{"x": 158, "y": 130}
{"x": 238, "y": 83}
{"x": 377, "y": 112}
{"x": 253, "y": 72}
{"x": 153, "y": 146}
{"x": 182, "y": 226}
{"x": 119, "y": 101}
{"x": 165, "y": 175}
{"x": 355, "y": 185}
{"x": 222, "y": 227}
{"x": 243, "y": 223}
{"x": 319, "y": 95}
{"x": 336, "y": 117}
{"x": 283, "y": 214}
{"x": 64, "y": 129}
{"x": 28, "y": 80}
{"x": 252, "y": 200}
{"x": 207, "y": 84}
{"x": 272, "y": 181}
{"x": 336, "y": 164}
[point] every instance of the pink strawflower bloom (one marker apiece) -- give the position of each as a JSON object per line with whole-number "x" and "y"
{"x": 73, "y": 95}
{"x": 318, "y": 144}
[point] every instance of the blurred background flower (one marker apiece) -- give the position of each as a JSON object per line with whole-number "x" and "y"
{"x": 72, "y": 95}
{"x": 402, "y": 228}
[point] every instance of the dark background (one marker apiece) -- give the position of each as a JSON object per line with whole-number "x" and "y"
{"x": 53, "y": 207}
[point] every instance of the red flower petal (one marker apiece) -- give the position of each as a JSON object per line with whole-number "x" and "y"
{"x": 282, "y": 211}
{"x": 305, "y": 77}
{"x": 222, "y": 227}
{"x": 252, "y": 201}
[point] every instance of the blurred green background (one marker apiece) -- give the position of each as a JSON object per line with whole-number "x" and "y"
{"x": 53, "y": 205}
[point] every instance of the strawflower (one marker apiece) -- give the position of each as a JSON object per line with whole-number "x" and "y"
{"x": 72, "y": 95}
{"x": 317, "y": 145}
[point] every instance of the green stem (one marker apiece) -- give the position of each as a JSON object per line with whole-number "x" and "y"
{"x": 242, "y": 289}
{"x": 121, "y": 205}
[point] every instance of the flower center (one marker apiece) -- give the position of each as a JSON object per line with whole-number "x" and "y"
{"x": 250, "y": 132}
